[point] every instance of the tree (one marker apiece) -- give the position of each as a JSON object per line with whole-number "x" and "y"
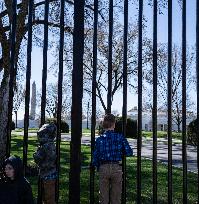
{"x": 176, "y": 82}
{"x": 103, "y": 53}
{"x": 5, "y": 20}
{"x": 52, "y": 100}
{"x": 18, "y": 99}
{"x": 21, "y": 42}
{"x": 117, "y": 60}
{"x": 21, "y": 36}
{"x": 33, "y": 102}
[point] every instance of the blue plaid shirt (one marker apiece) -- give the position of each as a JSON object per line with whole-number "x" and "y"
{"x": 110, "y": 146}
{"x": 52, "y": 176}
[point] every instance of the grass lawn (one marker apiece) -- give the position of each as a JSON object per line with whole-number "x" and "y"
{"x": 87, "y": 132}
{"x": 146, "y": 134}
{"x": 17, "y": 144}
{"x": 30, "y": 130}
{"x": 162, "y": 134}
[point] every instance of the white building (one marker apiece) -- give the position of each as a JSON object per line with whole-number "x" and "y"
{"x": 162, "y": 119}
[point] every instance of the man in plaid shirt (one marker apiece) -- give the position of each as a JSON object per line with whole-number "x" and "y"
{"x": 109, "y": 149}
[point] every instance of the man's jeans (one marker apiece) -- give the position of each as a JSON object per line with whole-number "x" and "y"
{"x": 110, "y": 177}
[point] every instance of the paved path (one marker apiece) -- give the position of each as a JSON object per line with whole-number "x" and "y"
{"x": 147, "y": 150}
{"x": 162, "y": 151}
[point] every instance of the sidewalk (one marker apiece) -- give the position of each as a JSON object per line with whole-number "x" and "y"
{"x": 162, "y": 152}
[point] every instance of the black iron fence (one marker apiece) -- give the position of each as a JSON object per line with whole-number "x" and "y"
{"x": 78, "y": 31}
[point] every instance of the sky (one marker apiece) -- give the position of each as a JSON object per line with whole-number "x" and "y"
{"x": 37, "y": 59}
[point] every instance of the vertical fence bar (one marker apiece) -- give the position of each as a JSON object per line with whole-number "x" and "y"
{"x": 154, "y": 102}
{"x": 76, "y": 110}
{"x": 44, "y": 71}
{"x": 59, "y": 108}
{"x": 87, "y": 126}
{"x": 93, "y": 117}
{"x": 110, "y": 41}
{"x": 139, "y": 140}
{"x": 124, "y": 110}
{"x": 13, "y": 70}
{"x": 197, "y": 74}
{"x": 169, "y": 102}
{"x": 184, "y": 143}
{"x": 44, "y": 78}
{"x": 27, "y": 94}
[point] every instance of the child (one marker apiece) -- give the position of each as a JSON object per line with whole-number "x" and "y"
{"x": 14, "y": 188}
{"x": 109, "y": 148}
{"x": 45, "y": 158}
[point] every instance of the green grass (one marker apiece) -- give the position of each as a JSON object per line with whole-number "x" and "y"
{"x": 162, "y": 134}
{"x": 17, "y": 144}
{"x": 147, "y": 134}
{"x": 18, "y": 130}
{"x": 84, "y": 130}
{"x": 34, "y": 130}
{"x": 30, "y": 130}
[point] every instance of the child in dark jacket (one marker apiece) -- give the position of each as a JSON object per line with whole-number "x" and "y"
{"x": 45, "y": 158}
{"x": 14, "y": 187}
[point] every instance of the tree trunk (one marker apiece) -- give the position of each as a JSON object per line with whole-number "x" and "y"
{"x": 179, "y": 124}
{"x": 179, "y": 130}
{"x": 4, "y": 94}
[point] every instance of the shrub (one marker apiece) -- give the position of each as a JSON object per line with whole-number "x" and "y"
{"x": 51, "y": 120}
{"x": 131, "y": 127}
{"x": 64, "y": 125}
{"x": 100, "y": 128}
{"x": 13, "y": 125}
{"x": 192, "y": 136}
{"x": 32, "y": 169}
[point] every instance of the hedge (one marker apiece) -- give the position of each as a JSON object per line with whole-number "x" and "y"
{"x": 64, "y": 125}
